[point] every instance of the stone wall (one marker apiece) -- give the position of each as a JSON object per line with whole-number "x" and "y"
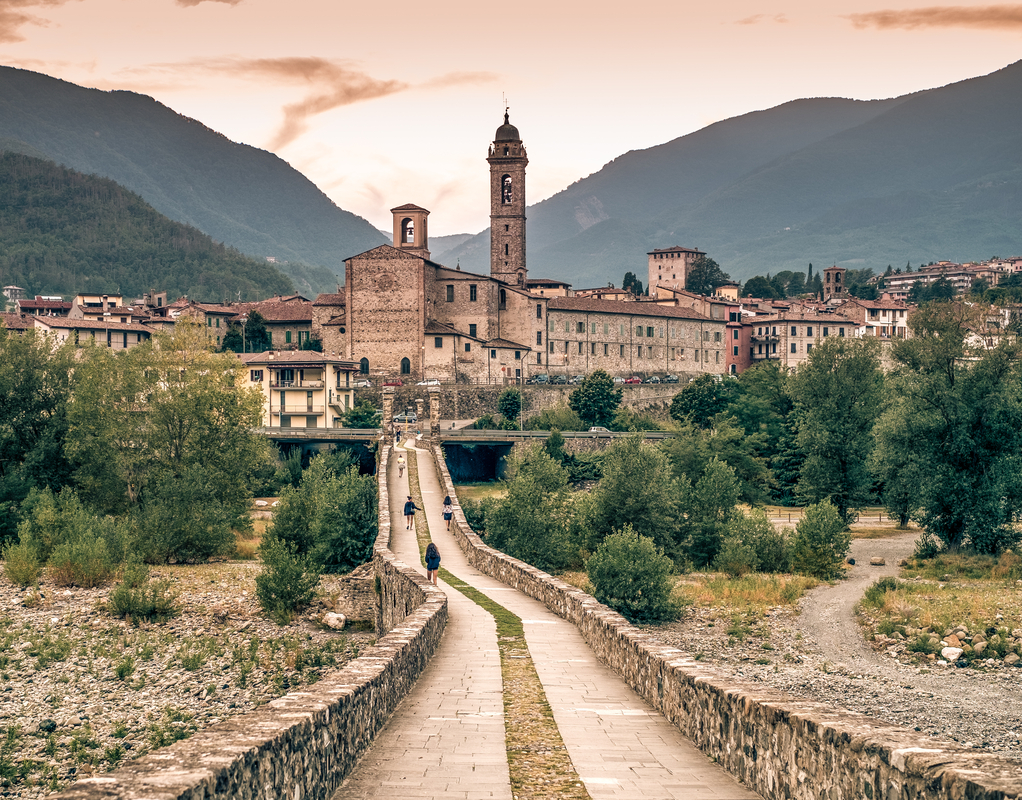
{"x": 300, "y": 746}
{"x": 778, "y": 745}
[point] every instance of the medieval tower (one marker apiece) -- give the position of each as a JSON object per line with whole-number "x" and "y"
{"x": 507, "y": 161}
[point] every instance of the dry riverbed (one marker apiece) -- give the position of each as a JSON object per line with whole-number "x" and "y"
{"x": 82, "y": 691}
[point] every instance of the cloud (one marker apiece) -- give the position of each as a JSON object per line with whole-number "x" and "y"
{"x": 1000, "y": 17}
{"x": 190, "y": 3}
{"x": 755, "y": 19}
{"x": 13, "y": 16}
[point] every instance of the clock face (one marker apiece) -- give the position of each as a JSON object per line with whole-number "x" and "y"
{"x": 385, "y": 281}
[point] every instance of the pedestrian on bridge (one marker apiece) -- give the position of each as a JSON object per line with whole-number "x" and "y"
{"x": 400, "y": 466}
{"x": 432, "y": 562}
{"x": 410, "y": 509}
{"x": 448, "y": 511}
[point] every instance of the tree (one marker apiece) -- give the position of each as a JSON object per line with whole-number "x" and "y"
{"x": 632, "y": 283}
{"x": 710, "y": 506}
{"x": 758, "y": 286}
{"x": 509, "y": 404}
{"x": 960, "y": 424}
{"x": 250, "y": 336}
{"x": 596, "y": 398}
{"x": 632, "y": 575}
{"x": 894, "y": 466}
{"x": 704, "y": 276}
{"x": 362, "y": 415}
{"x": 837, "y": 393}
{"x": 797, "y": 284}
{"x": 702, "y": 399}
{"x": 313, "y": 343}
{"x": 821, "y": 542}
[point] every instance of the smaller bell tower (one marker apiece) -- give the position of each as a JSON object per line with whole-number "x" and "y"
{"x": 410, "y": 232}
{"x": 507, "y": 159}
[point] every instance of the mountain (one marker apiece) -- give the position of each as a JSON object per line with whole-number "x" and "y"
{"x": 931, "y": 175}
{"x": 62, "y": 232}
{"x": 245, "y": 197}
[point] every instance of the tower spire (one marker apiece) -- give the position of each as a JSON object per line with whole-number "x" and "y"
{"x": 507, "y": 159}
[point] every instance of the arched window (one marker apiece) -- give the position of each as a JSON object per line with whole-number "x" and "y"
{"x": 407, "y": 231}
{"x": 505, "y": 190}
{"x": 406, "y": 366}
{"x": 503, "y": 298}
{"x": 363, "y": 366}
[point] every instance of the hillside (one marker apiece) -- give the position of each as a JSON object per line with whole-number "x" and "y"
{"x": 63, "y": 232}
{"x": 935, "y": 174}
{"x": 245, "y": 197}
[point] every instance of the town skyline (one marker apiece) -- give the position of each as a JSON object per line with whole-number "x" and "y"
{"x": 332, "y": 90}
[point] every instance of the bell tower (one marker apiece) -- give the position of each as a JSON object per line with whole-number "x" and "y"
{"x": 507, "y": 161}
{"x": 410, "y": 229}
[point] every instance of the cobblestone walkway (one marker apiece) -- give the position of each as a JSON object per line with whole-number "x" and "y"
{"x": 447, "y": 740}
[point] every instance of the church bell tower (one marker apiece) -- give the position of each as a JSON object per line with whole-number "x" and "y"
{"x": 507, "y": 161}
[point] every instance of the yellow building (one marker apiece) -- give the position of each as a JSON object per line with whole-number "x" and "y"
{"x": 301, "y": 388}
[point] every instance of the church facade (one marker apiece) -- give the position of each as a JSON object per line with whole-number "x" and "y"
{"x": 405, "y": 316}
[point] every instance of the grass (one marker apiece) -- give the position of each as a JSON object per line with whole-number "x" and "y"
{"x": 967, "y": 566}
{"x": 480, "y": 491}
{"x": 751, "y": 593}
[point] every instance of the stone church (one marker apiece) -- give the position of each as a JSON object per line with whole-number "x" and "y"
{"x": 406, "y": 316}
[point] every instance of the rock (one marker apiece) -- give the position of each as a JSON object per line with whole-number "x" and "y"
{"x": 1011, "y": 660}
{"x": 851, "y": 561}
{"x": 877, "y": 561}
{"x": 220, "y": 615}
{"x": 261, "y": 503}
{"x": 953, "y": 641}
{"x": 334, "y": 620}
{"x": 995, "y": 639}
{"x": 951, "y": 654}
{"x": 903, "y": 562}
{"x": 47, "y": 725}
{"x": 74, "y": 722}
{"x": 979, "y": 647}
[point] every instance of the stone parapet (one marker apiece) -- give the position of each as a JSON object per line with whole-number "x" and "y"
{"x": 300, "y": 746}
{"x": 778, "y": 745}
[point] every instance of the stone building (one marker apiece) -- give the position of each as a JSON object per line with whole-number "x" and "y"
{"x": 669, "y": 267}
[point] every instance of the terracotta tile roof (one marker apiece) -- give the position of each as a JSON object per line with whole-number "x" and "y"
{"x": 302, "y": 357}
{"x": 677, "y": 249}
{"x": 45, "y": 305}
{"x": 330, "y": 300}
{"x": 89, "y": 324}
{"x": 507, "y": 344}
{"x": 802, "y": 316}
{"x": 16, "y": 322}
{"x": 433, "y": 328}
{"x": 622, "y": 307}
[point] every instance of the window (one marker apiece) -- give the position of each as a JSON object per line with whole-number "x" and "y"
{"x": 826, "y": 331}
{"x": 593, "y": 349}
{"x": 840, "y": 331}
{"x": 621, "y": 330}
{"x": 551, "y": 324}
{"x": 438, "y": 341}
{"x": 567, "y": 327}
{"x": 218, "y": 322}
{"x": 406, "y": 366}
{"x": 363, "y": 366}
{"x": 472, "y": 292}
{"x": 505, "y": 250}
{"x": 209, "y": 322}
{"x": 706, "y": 336}
{"x": 518, "y": 354}
{"x": 606, "y": 350}
{"x": 638, "y": 330}
{"x": 649, "y": 351}
{"x": 505, "y": 187}
{"x": 551, "y": 345}
{"x": 794, "y": 331}
{"x": 580, "y": 327}
{"x": 775, "y": 347}
{"x": 539, "y": 311}
{"x": 621, "y": 353}
{"x": 565, "y": 348}
{"x": 592, "y": 327}
{"x": 660, "y": 331}
{"x": 809, "y": 347}
{"x": 732, "y": 316}
{"x": 287, "y": 336}
{"x": 734, "y": 334}
{"x": 717, "y": 357}
{"x": 468, "y": 347}
{"x": 539, "y": 337}
{"x": 450, "y": 293}
{"x": 794, "y": 347}
{"x": 696, "y": 355}
{"x": 606, "y": 329}
{"x": 539, "y": 358}
{"x": 672, "y": 354}
{"x": 809, "y": 331}
{"x": 735, "y": 350}
{"x": 256, "y": 376}
{"x": 649, "y": 331}
{"x": 472, "y": 329}
{"x": 716, "y": 336}
{"x": 493, "y": 354}
{"x": 503, "y": 298}
{"x": 640, "y": 351}
{"x": 580, "y": 348}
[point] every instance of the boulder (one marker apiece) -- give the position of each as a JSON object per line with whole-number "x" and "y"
{"x": 334, "y": 621}
{"x": 953, "y": 641}
{"x": 903, "y": 562}
{"x": 979, "y": 647}
{"x": 877, "y": 561}
{"x": 1011, "y": 660}
{"x": 951, "y": 654}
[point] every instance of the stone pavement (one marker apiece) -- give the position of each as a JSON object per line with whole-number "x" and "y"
{"x": 619, "y": 745}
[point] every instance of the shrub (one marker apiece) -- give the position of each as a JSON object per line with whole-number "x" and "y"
{"x": 21, "y": 565}
{"x": 737, "y": 556}
{"x": 875, "y": 595}
{"x": 288, "y": 581}
{"x": 560, "y": 417}
{"x": 927, "y": 546}
{"x": 476, "y": 512}
{"x": 83, "y": 562}
{"x": 136, "y": 598}
{"x": 821, "y": 542}
{"x": 752, "y": 543}
{"x": 632, "y": 575}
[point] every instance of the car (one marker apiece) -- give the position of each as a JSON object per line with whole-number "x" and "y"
{"x": 598, "y": 429}
{"x": 405, "y": 419}
{"x": 560, "y": 380}
{"x": 393, "y": 382}
{"x": 577, "y": 378}
{"x": 653, "y": 379}
{"x": 619, "y": 379}
{"x": 541, "y": 378}
{"x": 364, "y": 384}
{"x": 429, "y": 382}
{"x": 633, "y": 379}
{"x": 670, "y": 378}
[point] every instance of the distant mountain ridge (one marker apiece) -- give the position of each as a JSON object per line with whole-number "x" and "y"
{"x": 247, "y": 198}
{"x": 63, "y": 232}
{"x": 933, "y": 174}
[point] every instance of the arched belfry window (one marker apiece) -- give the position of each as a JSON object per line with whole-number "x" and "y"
{"x": 503, "y": 298}
{"x": 407, "y": 231}
{"x": 363, "y": 366}
{"x": 505, "y": 190}
{"x": 406, "y": 366}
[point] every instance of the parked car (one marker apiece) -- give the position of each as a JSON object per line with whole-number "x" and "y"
{"x": 364, "y": 384}
{"x": 393, "y": 382}
{"x": 670, "y": 378}
{"x": 429, "y": 382}
{"x": 541, "y": 378}
{"x": 618, "y": 379}
{"x": 560, "y": 380}
{"x": 653, "y": 379}
{"x": 598, "y": 429}
{"x": 633, "y": 379}
{"x": 405, "y": 419}
{"x": 577, "y": 378}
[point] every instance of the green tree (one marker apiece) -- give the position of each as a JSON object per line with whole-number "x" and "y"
{"x": 704, "y": 276}
{"x": 710, "y": 505}
{"x": 702, "y": 399}
{"x": 758, "y": 286}
{"x": 821, "y": 542}
{"x": 632, "y": 283}
{"x": 362, "y": 415}
{"x": 837, "y": 394}
{"x": 692, "y": 449}
{"x": 632, "y": 575}
{"x": 960, "y": 424}
{"x": 560, "y": 417}
{"x": 509, "y": 404}
{"x": 894, "y": 463}
{"x": 554, "y": 446}
{"x": 596, "y": 399}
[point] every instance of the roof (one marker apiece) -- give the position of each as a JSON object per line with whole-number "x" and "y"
{"x": 408, "y": 207}
{"x": 802, "y": 316}
{"x": 508, "y": 344}
{"x": 336, "y": 299}
{"x": 16, "y": 322}
{"x": 507, "y": 132}
{"x": 622, "y": 307}
{"x": 54, "y": 305}
{"x": 677, "y": 249}
{"x": 90, "y": 324}
{"x": 888, "y": 302}
{"x": 297, "y": 358}
{"x": 434, "y": 328}
{"x": 537, "y": 281}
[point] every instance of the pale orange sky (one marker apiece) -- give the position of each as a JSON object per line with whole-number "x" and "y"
{"x": 383, "y": 104}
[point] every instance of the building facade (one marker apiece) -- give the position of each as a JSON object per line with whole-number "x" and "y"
{"x": 301, "y": 389}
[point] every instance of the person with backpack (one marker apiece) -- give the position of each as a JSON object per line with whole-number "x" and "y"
{"x": 432, "y": 562}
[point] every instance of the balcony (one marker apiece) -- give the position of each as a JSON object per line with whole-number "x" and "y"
{"x": 765, "y": 337}
{"x": 298, "y": 411}
{"x": 297, "y": 385}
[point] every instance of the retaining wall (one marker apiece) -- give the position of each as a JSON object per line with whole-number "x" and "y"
{"x": 300, "y": 746}
{"x": 779, "y": 746}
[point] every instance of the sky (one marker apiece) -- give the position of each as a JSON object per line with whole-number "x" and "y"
{"x": 381, "y": 104}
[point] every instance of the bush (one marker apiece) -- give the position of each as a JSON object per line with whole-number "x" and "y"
{"x": 756, "y": 544}
{"x": 83, "y": 562}
{"x": 632, "y": 575}
{"x": 560, "y": 417}
{"x": 21, "y": 565}
{"x": 136, "y": 598}
{"x": 875, "y": 595}
{"x": 821, "y": 542}
{"x": 927, "y": 546}
{"x": 288, "y": 581}
{"x": 476, "y": 512}
{"x": 584, "y": 466}
{"x": 737, "y": 556}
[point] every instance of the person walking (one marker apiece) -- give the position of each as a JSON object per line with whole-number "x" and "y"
{"x": 448, "y": 511}
{"x": 432, "y": 562}
{"x": 400, "y": 466}
{"x": 410, "y": 509}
